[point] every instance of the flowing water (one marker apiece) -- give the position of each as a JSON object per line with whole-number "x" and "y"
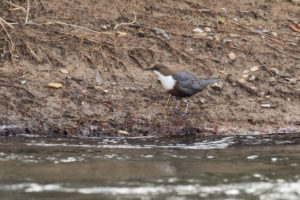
{"x": 144, "y": 168}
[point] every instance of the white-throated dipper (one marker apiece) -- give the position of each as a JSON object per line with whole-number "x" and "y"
{"x": 180, "y": 83}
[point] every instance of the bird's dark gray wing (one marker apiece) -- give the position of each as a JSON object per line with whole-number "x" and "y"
{"x": 191, "y": 84}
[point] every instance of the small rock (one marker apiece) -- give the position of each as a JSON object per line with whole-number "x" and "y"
{"x": 251, "y": 78}
{"x": 235, "y": 19}
{"x": 113, "y": 83}
{"x": 217, "y": 86}
{"x": 236, "y": 44}
{"x": 202, "y": 100}
{"x": 214, "y": 76}
{"x": 200, "y": 34}
{"x": 198, "y": 30}
{"x": 210, "y": 38}
{"x": 275, "y": 71}
{"x": 262, "y": 94}
{"x": 245, "y": 75}
{"x": 241, "y": 80}
{"x": 216, "y": 38}
{"x": 292, "y": 81}
{"x": 224, "y": 9}
{"x": 133, "y": 89}
{"x": 104, "y": 27}
{"x": 162, "y": 32}
{"x": 55, "y": 85}
{"x": 253, "y": 88}
{"x": 267, "y": 105}
{"x": 121, "y": 34}
{"x": 246, "y": 71}
{"x": 105, "y": 91}
{"x": 288, "y": 99}
{"x": 226, "y": 41}
{"x": 207, "y": 29}
{"x": 274, "y": 34}
{"x": 272, "y": 81}
{"x": 23, "y": 82}
{"x": 231, "y": 56}
{"x": 98, "y": 78}
{"x": 232, "y": 35}
{"x": 64, "y": 71}
{"x": 254, "y": 68}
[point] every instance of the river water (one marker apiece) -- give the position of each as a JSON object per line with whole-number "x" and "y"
{"x": 144, "y": 168}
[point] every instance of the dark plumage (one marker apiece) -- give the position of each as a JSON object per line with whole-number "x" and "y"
{"x": 180, "y": 83}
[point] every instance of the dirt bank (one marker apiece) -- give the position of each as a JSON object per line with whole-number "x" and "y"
{"x": 69, "y": 41}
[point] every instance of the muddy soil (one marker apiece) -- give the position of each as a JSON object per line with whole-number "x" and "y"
{"x": 69, "y": 41}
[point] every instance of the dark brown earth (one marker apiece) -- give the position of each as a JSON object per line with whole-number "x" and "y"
{"x": 116, "y": 38}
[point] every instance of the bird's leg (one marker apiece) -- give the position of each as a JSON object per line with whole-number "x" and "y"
{"x": 166, "y": 106}
{"x": 186, "y": 109}
{"x": 176, "y": 108}
{"x": 168, "y": 102}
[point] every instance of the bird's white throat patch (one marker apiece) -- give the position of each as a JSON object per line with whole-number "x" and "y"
{"x": 168, "y": 82}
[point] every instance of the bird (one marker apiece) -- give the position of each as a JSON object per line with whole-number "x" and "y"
{"x": 180, "y": 84}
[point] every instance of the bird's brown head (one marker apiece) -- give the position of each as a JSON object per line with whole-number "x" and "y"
{"x": 163, "y": 69}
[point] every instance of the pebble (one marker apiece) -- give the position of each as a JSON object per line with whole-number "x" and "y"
{"x": 133, "y": 89}
{"x": 64, "y": 71}
{"x": 246, "y": 71}
{"x": 217, "y": 86}
{"x": 241, "y": 80}
{"x": 200, "y": 34}
{"x": 210, "y": 38}
{"x": 292, "y": 81}
{"x": 267, "y": 105}
{"x": 104, "y": 27}
{"x": 274, "y": 34}
{"x": 253, "y": 88}
{"x": 226, "y": 41}
{"x": 198, "y": 30}
{"x": 245, "y": 75}
{"x": 235, "y": 19}
{"x": 231, "y": 56}
{"x": 251, "y": 78}
{"x": 23, "y": 82}
{"x": 232, "y": 35}
{"x": 216, "y": 38}
{"x": 162, "y": 32}
{"x": 113, "y": 83}
{"x": 214, "y": 76}
{"x": 121, "y": 34}
{"x": 202, "y": 100}
{"x": 254, "y": 68}
{"x": 272, "y": 80}
{"x": 275, "y": 71}
{"x": 207, "y": 29}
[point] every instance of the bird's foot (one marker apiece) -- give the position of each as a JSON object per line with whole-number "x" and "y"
{"x": 183, "y": 114}
{"x": 174, "y": 111}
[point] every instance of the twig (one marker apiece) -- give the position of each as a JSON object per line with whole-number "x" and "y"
{"x": 122, "y": 24}
{"x": 79, "y": 27}
{"x": 27, "y": 11}
{"x": 5, "y": 22}
{"x": 14, "y": 5}
{"x": 18, "y": 87}
{"x": 32, "y": 53}
{"x": 265, "y": 67}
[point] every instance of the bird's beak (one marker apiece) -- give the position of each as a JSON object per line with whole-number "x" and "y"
{"x": 148, "y": 68}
